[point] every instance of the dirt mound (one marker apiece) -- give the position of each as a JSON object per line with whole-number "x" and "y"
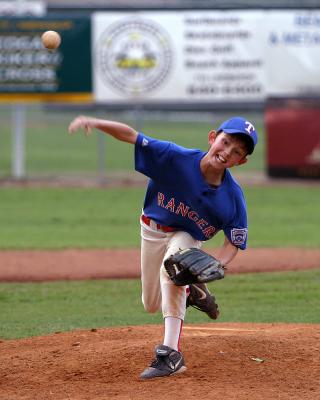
{"x": 225, "y": 361}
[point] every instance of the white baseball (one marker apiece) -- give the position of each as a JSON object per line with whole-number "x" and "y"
{"x": 51, "y": 40}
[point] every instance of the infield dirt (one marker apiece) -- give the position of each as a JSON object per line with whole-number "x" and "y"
{"x": 103, "y": 264}
{"x": 229, "y": 361}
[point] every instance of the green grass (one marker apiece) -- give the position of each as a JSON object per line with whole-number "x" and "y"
{"x": 62, "y": 218}
{"x": 51, "y": 218}
{"x": 50, "y": 150}
{"x": 283, "y": 216}
{"x": 41, "y": 308}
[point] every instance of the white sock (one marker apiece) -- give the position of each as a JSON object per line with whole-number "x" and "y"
{"x": 172, "y": 332}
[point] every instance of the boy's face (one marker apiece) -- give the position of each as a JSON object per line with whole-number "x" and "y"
{"x": 225, "y": 151}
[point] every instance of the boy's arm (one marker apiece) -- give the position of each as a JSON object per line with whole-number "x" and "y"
{"x": 118, "y": 130}
{"x": 227, "y": 252}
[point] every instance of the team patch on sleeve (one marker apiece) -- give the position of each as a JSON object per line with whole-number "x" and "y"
{"x": 238, "y": 236}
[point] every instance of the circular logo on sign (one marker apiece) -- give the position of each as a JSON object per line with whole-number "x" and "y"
{"x": 134, "y": 56}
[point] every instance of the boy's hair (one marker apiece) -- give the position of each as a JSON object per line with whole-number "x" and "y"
{"x": 243, "y": 139}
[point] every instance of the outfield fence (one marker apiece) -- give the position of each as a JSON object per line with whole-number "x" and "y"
{"x": 35, "y": 144}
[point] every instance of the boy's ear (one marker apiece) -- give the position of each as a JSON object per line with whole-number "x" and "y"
{"x": 212, "y": 136}
{"x": 242, "y": 161}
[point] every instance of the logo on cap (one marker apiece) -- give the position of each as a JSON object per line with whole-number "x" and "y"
{"x": 249, "y": 127}
{"x": 240, "y": 125}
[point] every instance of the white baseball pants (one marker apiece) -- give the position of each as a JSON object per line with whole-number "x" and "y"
{"x": 158, "y": 291}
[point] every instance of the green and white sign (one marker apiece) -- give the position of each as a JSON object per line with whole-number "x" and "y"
{"x": 30, "y": 72}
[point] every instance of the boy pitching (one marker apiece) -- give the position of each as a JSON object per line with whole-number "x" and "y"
{"x": 191, "y": 195}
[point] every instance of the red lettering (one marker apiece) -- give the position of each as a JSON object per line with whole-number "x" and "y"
{"x": 170, "y": 204}
{"x": 209, "y": 232}
{"x": 193, "y": 216}
{"x": 160, "y": 199}
{"x": 182, "y": 209}
{"x": 202, "y": 223}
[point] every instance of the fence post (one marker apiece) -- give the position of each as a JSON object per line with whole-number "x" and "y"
{"x": 101, "y": 158}
{"x": 18, "y": 141}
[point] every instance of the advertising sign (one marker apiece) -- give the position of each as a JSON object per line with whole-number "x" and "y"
{"x": 25, "y": 8}
{"x": 30, "y": 72}
{"x": 181, "y": 57}
{"x": 163, "y": 57}
{"x": 292, "y": 53}
{"x": 205, "y": 56}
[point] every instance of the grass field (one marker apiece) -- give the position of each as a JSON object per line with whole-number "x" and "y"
{"x": 31, "y": 309}
{"x": 51, "y": 218}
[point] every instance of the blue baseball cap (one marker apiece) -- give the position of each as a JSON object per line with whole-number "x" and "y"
{"x": 241, "y": 126}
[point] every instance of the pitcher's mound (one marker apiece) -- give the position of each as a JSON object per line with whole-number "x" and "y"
{"x": 225, "y": 361}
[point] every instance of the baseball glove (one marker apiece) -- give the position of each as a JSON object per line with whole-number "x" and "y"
{"x": 193, "y": 266}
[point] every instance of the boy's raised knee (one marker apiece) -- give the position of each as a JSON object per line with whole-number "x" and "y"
{"x": 151, "y": 308}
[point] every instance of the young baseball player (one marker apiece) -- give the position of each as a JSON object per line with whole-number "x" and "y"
{"x": 191, "y": 195}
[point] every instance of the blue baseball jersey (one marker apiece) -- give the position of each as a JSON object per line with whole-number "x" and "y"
{"x": 178, "y": 195}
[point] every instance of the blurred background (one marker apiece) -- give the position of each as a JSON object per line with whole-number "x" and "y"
{"x": 172, "y": 69}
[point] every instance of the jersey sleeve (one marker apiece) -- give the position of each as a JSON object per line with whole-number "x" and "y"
{"x": 150, "y": 155}
{"x": 237, "y": 228}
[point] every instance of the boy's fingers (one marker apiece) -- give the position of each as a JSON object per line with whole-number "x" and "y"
{"x": 71, "y": 129}
{"x": 80, "y": 123}
{"x": 74, "y": 125}
{"x": 87, "y": 129}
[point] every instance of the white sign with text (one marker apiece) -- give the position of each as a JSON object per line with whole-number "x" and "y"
{"x": 204, "y": 56}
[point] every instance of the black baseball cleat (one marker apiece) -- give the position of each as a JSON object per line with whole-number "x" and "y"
{"x": 201, "y": 299}
{"x": 168, "y": 362}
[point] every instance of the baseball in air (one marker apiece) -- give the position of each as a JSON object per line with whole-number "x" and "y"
{"x": 51, "y": 40}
